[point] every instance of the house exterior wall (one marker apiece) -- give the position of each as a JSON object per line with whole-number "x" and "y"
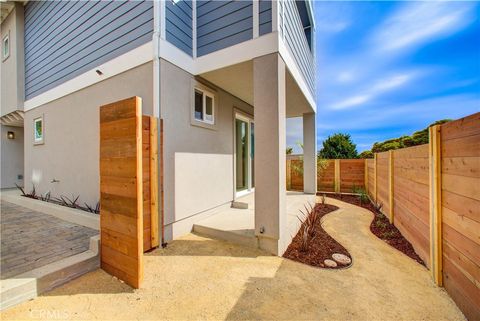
{"x": 11, "y": 157}
{"x": 70, "y": 152}
{"x": 12, "y": 70}
{"x": 179, "y": 25}
{"x": 64, "y": 39}
{"x": 222, "y": 24}
{"x": 198, "y": 170}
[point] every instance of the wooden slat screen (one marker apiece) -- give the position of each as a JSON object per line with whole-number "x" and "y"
{"x": 121, "y": 190}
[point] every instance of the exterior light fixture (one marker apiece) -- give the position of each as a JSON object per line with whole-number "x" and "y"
{"x": 10, "y": 135}
{"x": 99, "y": 72}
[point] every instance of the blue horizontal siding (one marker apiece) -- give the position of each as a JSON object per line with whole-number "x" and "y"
{"x": 65, "y": 39}
{"x": 297, "y": 43}
{"x": 265, "y": 19}
{"x": 222, "y": 24}
{"x": 179, "y": 25}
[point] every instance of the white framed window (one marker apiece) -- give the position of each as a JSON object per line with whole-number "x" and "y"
{"x": 38, "y": 131}
{"x": 6, "y": 46}
{"x": 204, "y": 106}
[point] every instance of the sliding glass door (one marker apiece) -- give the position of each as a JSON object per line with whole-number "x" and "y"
{"x": 244, "y": 154}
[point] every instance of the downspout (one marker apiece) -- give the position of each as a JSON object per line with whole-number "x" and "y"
{"x": 157, "y": 111}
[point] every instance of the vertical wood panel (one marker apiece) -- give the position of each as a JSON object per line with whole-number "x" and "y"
{"x": 337, "y": 175}
{"x": 121, "y": 211}
{"x": 435, "y": 203}
{"x": 147, "y": 181}
{"x": 390, "y": 185}
{"x": 154, "y": 237}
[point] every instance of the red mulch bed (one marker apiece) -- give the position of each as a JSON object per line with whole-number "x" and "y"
{"x": 320, "y": 248}
{"x": 382, "y": 228}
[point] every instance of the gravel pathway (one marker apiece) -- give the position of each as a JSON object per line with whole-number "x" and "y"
{"x": 204, "y": 279}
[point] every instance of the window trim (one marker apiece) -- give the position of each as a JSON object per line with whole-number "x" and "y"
{"x": 6, "y": 37}
{"x": 206, "y": 92}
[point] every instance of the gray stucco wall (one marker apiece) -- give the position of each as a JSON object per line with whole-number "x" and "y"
{"x": 71, "y": 149}
{"x": 63, "y": 39}
{"x": 222, "y": 24}
{"x": 12, "y": 68}
{"x": 11, "y": 157}
{"x": 179, "y": 24}
{"x": 198, "y": 168}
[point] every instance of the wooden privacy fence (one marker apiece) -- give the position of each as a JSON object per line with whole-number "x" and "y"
{"x": 336, "y": 175}
{"x": 431, "y": 193}
{"x": 128, "y": 188}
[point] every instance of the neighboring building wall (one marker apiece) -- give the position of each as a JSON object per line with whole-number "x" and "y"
{"x": 64, "y": 39}
{"x": 222, "y": 24}
{"x": 179, "y": 25}
{"x": 198, "y": 167}
{"x": 265, "y": 20}
{"x": 11, "y": 157}
{"x": 70, "y": 152}
{"x": 12, "y": 68}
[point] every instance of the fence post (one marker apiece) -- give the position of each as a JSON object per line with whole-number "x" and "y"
{"x": 390, "y": 185}
{"x": 435, "y": 176}
{"x": 337, "y": 175}
{"x": 366, "y": 176}
{"x": 375, "y": 177}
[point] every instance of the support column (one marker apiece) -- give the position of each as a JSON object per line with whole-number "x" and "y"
{"x": 309, "y": 153}
{"x": 269, "y": 100}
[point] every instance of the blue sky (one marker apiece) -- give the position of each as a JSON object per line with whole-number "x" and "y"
{"x": 387, "y": 69}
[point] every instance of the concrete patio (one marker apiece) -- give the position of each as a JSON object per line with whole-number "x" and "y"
{"x": 238, "y": 225}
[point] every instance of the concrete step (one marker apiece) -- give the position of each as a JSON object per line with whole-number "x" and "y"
{"x": 240, "y": 205}
{"x": 244, "y": 237}
{"x": 28, "y": 285}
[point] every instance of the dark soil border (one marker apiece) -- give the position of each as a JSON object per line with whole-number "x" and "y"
{"x": 381, "y": 227}
{"x": 320, "y": 248}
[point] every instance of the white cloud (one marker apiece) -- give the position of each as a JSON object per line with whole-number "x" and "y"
{"x": 391, "y": 83}
{"x": 352, "y": 102}
{"x": 420, "y": 22}
{"x": 345, "y": 77}
{"x": 378, "y": 88}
